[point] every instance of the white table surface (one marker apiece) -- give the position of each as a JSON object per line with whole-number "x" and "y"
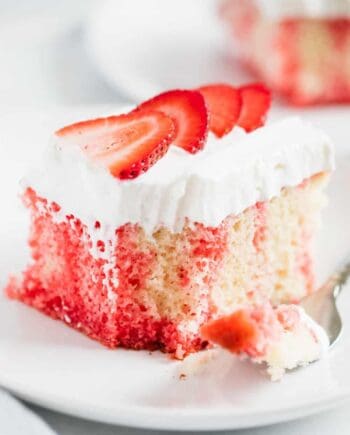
{"x": 44, "y": 63}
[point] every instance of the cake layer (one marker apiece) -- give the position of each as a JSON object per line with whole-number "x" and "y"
{"x": 228, "y": 176}
{"x": 155, "y": 291}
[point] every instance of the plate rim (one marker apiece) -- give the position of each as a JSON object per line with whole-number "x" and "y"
{"x": 200, "y": 419}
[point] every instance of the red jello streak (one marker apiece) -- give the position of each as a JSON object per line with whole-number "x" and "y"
{"x": 260, "y": 225}
{"x": 66, "y": 282}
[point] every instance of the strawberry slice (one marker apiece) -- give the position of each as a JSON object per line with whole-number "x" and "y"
{"x": 224, "y": 107}
{"x": 256, "y": 100}
{"x": 127, "y": 145}
{"x": 189, "y": 112}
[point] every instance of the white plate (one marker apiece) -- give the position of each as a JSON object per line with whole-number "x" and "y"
{"x": 47, "y": 363}
{"x": 144, "y": 47}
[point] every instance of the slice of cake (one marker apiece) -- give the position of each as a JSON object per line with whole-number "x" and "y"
{"x": 299, "y": 48}
{"x": 147, "y": 225}
{"x": 283, "y": 337}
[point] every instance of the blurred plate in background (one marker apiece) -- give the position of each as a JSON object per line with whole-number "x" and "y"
{"x": 145, "y": 47}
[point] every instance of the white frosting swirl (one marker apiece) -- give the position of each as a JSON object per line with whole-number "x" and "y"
{"x": 228, "y": 176}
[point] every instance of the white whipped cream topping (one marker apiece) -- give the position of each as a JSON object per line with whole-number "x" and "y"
{"x": 228, "y": 176}
{"x": 276, "y": 9}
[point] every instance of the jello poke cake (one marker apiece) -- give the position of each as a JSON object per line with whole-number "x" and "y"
{"x": 184, "y": 223}
{"x": 300, "y": 48}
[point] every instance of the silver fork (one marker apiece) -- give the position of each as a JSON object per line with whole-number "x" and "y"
{"x": 321, "y": 305}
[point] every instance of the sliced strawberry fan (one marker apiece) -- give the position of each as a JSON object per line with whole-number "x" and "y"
{"x": 128, "y": 145}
